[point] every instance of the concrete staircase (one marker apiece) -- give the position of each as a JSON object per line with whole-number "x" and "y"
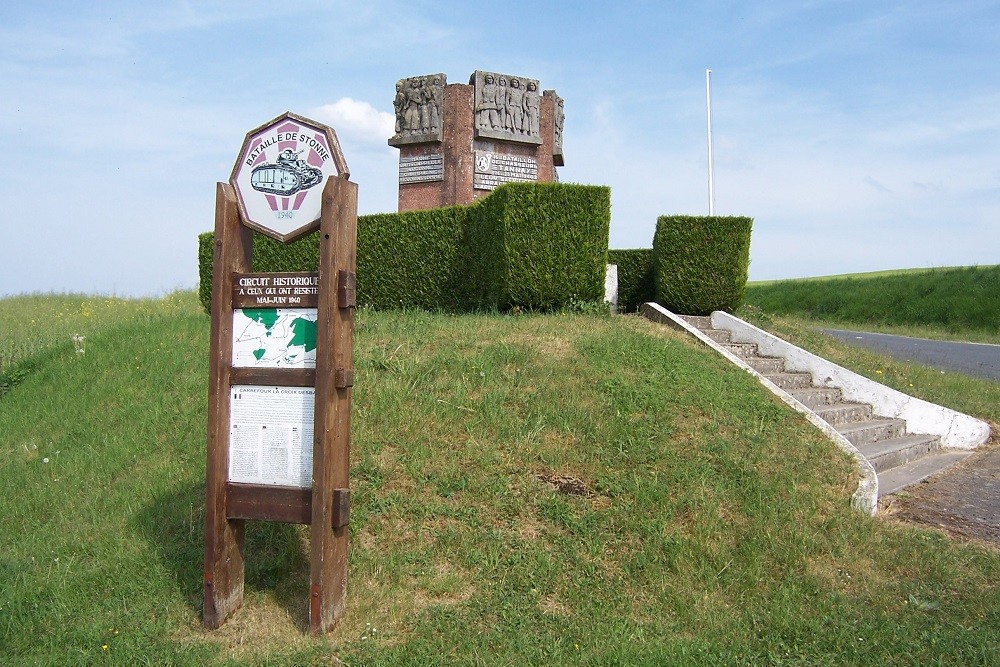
{"x": 899, "y": 458}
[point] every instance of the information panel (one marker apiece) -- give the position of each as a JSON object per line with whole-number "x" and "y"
{"x": 271, "y": 435}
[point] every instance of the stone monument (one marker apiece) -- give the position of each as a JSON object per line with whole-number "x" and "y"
{"x": 459, "y": 142}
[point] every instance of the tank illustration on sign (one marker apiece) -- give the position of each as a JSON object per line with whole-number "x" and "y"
{"x": 288, "y": 175}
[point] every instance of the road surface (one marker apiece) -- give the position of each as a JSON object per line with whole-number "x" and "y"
{"x": 977, "y": 359}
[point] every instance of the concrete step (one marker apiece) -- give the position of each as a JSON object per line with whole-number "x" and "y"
{"x": 897, "y": 478}
{"x": 698, "y": 321}
{"x": 765, "y": 365}
{"x": 720, "y": 336}
{"x": 814, "y": 397}
{"x": 844, "y": 413}
{"x": 789, "y": 381}
{"x": 743, "y": 350}
{"x": 873, "y": 430}
{"x": 900, "y": 460}
{"x": 894, "y": 452}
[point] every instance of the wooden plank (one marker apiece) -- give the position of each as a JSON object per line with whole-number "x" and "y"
{"x": 331, "y": 452}
{"x": 276, "y": 290}
{"x": 269, "y": 503}
{"x": 277, "y": 377}
{"x": 223, "y": 572}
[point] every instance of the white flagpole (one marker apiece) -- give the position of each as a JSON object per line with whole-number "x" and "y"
{"x": 711, "y": 176}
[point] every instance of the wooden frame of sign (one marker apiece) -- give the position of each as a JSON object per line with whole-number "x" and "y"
{"x": 325, "y": 503}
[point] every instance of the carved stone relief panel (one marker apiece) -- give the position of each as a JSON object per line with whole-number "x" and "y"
{"x": 506, "y": 107}
{"x": 558, "y": 118}
{"x": 419, "y": 106}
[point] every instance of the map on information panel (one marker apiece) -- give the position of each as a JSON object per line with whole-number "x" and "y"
{"x": 274, "y": 337}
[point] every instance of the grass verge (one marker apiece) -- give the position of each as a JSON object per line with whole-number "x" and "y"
{"x": 539, "y": 489}
{"x": 35, "y": 326}
{"x": 947, "y": 302}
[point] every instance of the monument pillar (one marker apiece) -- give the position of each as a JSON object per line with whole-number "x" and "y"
{"x": 459, "y": 142}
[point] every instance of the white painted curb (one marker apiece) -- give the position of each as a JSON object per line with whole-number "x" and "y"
{"x": 865, "y": 497}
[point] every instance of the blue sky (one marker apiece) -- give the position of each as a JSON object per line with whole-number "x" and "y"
{"x": 859, "y": 135}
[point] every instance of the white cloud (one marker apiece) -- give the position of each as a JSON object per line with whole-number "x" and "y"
{"x": 362, "y": 131}
{"x": 355, "y": 120}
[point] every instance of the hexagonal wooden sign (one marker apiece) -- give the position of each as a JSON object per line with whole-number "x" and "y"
{"x": 280, "y": 174}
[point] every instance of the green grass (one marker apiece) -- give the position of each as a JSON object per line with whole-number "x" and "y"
{"x": 716, "y": 529}
{"x": 33, "y": 326}
{"x": 940, "y": 303}
{"x": 861, "y": 275}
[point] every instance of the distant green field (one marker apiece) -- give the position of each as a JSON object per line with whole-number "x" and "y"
{"x": 863, "y": 274}
{"x": 33, "y": 327}
{"x": 955, "y": 300}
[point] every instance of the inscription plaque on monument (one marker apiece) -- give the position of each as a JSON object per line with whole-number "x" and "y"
{"x": 495, "y": 169}
{"x": 421, "y": 168}
{"x": 506, "y": 107}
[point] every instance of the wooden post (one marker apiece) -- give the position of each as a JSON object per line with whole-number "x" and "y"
{"x": 223, "y": 580}
{"x": 334, "y": 379}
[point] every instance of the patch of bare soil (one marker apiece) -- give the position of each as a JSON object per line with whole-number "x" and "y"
{"x": 964, "y": 501}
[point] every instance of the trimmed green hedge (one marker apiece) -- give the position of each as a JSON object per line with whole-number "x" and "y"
{"x": 555, "y": 243}
{"x": 531, "y": 245}
{"x": 411, "y": 259}
{"x": 205, "y": 243}
{"x": 701, "y": 262}
{"x": 636, "y": 280}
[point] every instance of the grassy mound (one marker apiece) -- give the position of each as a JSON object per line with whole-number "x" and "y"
{"x": 558, "y": 489}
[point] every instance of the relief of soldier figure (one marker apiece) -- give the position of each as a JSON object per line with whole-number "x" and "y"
{"x": 559, "y": 119}
{"x": 507, "y": 105}
{"x": 418, "y": 105}
{"x": 489, "y": 104}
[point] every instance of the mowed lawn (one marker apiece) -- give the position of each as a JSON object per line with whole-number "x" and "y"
{"x": 532, "y": 489}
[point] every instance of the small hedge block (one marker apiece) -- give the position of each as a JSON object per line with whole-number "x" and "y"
{"x": 206, "y": 242}
{"x": 411, "y": 259}
{"x": 701, "y": 262}
{"x": 555, "y": 240}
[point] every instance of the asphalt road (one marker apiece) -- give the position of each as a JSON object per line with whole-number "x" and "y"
{"x": 976, "y": 359}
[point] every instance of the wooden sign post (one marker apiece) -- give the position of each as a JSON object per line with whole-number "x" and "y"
{"x": 281, "y": 369}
